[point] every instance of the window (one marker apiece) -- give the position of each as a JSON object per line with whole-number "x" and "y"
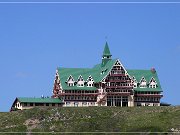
{"x": 90, "y": 84}
{"x": 25, "y": 104}
{"x": 53, "y": 104}
{"x": 80, "y": 82}
{"x": 143, "y": 83}
{"x": 84, "y": 103}
{"x": 70, "y": 84}
{"x": 68, "y": 103}
{"x": 31, "y": 104}
{"x": 39, "y": 104}
{"x": 152, "y": 86}
{"x": 143, "y": 86}
{"x": 76, "y": 104}
{"x": 70, "y": 81}
{"x": 47, "y": 104}
{"x": 152, "y": 83}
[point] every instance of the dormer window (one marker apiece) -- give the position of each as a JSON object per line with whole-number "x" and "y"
{"x": 80, "y": 81}
{"x": 70, "y": 81}
{"x": 143, "y": 83}
{"x": 90, "y": 82}
{"x": 152, "y": 83}
{"x": 70, "y": 84}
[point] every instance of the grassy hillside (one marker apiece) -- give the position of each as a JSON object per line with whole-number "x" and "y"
{"x": 93, "y": 119}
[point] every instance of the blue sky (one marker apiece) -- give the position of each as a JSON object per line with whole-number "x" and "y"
{"x": 35, "y": 39}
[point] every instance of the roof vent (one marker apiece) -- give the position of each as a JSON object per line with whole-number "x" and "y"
{"x": 153, "y": 70}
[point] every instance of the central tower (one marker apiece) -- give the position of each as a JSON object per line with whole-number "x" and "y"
{"x": 106, "y": 55}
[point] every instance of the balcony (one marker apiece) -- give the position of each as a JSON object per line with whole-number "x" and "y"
{"x": 149, "y": 95}
{"x": 119, "y": 93}
{"x": 121, "y": 87}
{"x": 117, "y": 74}
{"x": 79, "y": 94}
{"x": 117, "y": 80}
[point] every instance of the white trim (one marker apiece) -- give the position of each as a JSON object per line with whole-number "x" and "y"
{"x": 57, "y": 74}
{"x": 134, "y": 79}
{"x": 69, "y": 78}
{"x": 143, "y": 86}
{"x": 70, "y": 84}
{"x": 142, "y": 78}
{"x": 119, "y": 64}
{"x": 90, "y": 77}
{"x": 152, "y": 84}
{"x": 80, "y": 76}
{"x": 112, "y": 67}
{"x": 151, "y": 79}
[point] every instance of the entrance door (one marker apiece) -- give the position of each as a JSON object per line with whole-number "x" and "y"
{"x": 118, "y": 102}
{"x": 75, "y": 104}
{"x": 124, "y": 104}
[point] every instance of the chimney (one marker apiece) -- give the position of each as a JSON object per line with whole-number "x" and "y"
{"x": 153, "y": 70}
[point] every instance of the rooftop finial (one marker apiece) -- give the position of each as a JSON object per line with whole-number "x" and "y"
{"x": 106, "y": 51}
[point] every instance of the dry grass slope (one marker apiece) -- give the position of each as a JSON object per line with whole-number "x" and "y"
{"x": 92, "y": 119}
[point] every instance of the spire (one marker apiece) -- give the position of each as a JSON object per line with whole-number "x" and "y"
{"x": 106, "y": 55}
{"x": 106, "y": 50}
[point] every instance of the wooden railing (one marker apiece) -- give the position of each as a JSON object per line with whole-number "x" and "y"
{"x": 117, "y": 74}
{"x": 123, "y": 87}
{"x": 149, "y": 95}
{"x": 119, "y": 93}
{"x": 79, "y": 94}
{"x": 117, "y": 80}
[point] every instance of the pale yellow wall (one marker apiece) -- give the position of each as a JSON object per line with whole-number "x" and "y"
{"x": 80, "y": 104}
{"x": 21, "y": 106}
{"x": 148, "y": 104}
{"x": 130, "y": 101}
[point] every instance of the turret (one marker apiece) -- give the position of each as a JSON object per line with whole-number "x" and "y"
{"x": 106, "y": 55}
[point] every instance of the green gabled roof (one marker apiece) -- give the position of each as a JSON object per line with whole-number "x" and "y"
{"x": 95, "y": 73}
{"x": 106, "y": 51}
{"x": 80, "y": 88}
{"x": 38, "y": 100}
{"x": 147, "y": 74}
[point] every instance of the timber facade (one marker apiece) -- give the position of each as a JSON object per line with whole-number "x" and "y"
{"x": 107, "y": 84}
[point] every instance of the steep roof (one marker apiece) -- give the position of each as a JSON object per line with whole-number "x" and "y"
{"x": 106, "y": 51}
{"x": 147, "y": 74}
{"x": 38, "y": 100}
{"x": 97, "y": 73}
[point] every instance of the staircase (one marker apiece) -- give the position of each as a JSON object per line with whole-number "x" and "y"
{"x": 101, "y": 98}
